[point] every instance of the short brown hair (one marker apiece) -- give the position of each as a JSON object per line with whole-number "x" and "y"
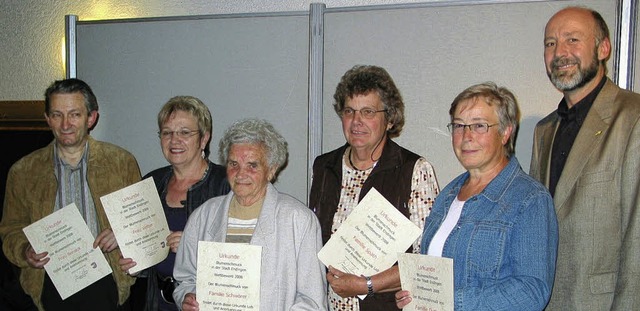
{"x": 362, "y": 80}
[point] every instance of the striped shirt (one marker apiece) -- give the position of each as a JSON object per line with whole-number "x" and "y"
{"x": 73, "y": 188}
{"x": 242, "y": 221}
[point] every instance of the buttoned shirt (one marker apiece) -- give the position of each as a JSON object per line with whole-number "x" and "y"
{"x": 570, "y": 124}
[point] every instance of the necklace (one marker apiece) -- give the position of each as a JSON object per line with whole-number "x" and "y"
{"x": 206, "y": 169}
{"x": 354, "y": 166}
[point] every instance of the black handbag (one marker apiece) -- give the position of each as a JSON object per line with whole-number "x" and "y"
{"x": 166, "y": 286}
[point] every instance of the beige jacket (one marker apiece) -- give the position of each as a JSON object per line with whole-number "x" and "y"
{"x": 31, "y": 193}
{"x": 597, "y": 201}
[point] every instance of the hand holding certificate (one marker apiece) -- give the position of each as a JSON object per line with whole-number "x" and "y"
{"x": 430, "y": 281}
{"x": 228, "y": 276}
{"x": 369, "y": 241}
{"x": 74, "y": 264}
{"x": 138, "y": 222}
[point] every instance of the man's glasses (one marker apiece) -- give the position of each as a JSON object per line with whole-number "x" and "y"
{"x": 478, "y": 128}
{"x": 367, "y": 113}
{"x": 183, "y": 133}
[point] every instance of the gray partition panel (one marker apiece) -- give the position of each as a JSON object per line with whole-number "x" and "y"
{"x": 240, "y": 66}
{"x": 434, "y": 52}
{"x": 636, "y": 52}
{"x": 636, "y": 79}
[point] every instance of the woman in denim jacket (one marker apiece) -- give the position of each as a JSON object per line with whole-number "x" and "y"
{"x": 495, "y": 222}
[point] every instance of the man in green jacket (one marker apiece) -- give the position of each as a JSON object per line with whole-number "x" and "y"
{"x": 74, "y": 168}
{"x": 586, "y": 153}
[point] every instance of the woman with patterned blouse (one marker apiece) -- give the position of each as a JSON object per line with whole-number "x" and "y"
{"x": 372, "y": 112}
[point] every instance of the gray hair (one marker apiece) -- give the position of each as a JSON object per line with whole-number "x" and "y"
{"x": 259, "y": 132}
{"x": 504, "y": 103}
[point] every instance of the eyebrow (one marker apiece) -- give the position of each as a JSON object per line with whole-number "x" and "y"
{"x": 67, "y": 112}
{"x": 472, "y": 119}
{"x": 567, "y": 34}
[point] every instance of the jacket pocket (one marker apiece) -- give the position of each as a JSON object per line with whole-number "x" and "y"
{"x": 602, "y": 283}
{"x": 486, "y": 249}
{"x": 595, "y": 178}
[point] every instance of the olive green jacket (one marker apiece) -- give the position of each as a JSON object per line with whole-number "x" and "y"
{"x": 31, "y": 194}
{"x": 597, "y": 202}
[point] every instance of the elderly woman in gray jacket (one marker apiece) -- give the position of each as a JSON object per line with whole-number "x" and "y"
{"x": 254, "y": 212}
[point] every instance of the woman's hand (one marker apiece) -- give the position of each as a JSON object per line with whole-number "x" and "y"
{"x": 189, "y": 303}
{"x": 403, "y": 298}
{"x": 345, "y": 284}
{"x": 106, "y": 240}
{"x": 173, "y": 240}
{"x": 126, "y": 264}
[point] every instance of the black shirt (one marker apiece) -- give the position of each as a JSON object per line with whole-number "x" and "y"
{"x": 571, "y": 120}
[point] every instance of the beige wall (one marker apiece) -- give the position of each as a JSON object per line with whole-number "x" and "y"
{"x": 32, "y": 31}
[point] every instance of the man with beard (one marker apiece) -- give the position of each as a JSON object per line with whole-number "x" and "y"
{"x": 587, "y": 153}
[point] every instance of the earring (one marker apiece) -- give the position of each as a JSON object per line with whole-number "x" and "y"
{"x": 202, "y": 154}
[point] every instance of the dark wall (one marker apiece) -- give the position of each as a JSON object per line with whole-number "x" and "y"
{"x": 15, "y": 145}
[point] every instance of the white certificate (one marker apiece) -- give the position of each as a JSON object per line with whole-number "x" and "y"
{"x": 369, "y": 240}
{"x": 138, "y": 222}
{"x": 430, "y": 281}
{"x": 228, "y": 276}
{"x": 74, "y": 264}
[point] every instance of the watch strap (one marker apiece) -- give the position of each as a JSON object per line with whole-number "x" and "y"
{"x": 369, "y": 286}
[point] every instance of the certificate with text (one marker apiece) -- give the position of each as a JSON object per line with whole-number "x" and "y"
{"x": 73, "y": 262}
{"x": 228, "y": 276}
{"x": 371, "y": 237}
{"x": 430, "y": 281}
{"x": 138, "y": 222}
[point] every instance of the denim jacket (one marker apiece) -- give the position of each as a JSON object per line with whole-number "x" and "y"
{"x": 504, "y": 246}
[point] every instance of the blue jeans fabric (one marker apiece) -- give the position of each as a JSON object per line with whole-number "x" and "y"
{"x": 504, "y": 246}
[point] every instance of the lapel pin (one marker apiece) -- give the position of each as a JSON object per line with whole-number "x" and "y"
{"x": 598, "y": 133}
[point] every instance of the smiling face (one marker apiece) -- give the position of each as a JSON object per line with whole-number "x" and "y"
{"x": 363, "y": 133}
{"x": 182, "y": 151}
{"x": 479, "y": 153}
{"x": 248, "y": 172}
{"x": 572, "y": 54}
{"x": 69, "y": 121}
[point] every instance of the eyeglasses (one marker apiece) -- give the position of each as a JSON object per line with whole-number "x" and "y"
{"x": 183, "y": 133}
{"x": 367, "y": 113}
{"x": 478, "y": 128}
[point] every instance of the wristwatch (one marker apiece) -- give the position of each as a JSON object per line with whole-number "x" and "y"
{"x": 369, "y": 286}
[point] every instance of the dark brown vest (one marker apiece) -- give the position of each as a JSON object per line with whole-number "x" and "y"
{"x": 391, "y": 177}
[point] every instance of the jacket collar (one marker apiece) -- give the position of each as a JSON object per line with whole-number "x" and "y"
{"x": 51, "y": 157}
{"x": 266, "y": 220}
{"x": 169, "y": 172}
{"x": 390, "y": 158}
{"x": 496, "y": 187}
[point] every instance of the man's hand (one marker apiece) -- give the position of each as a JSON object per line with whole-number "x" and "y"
{"x": 34, "y": 260}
